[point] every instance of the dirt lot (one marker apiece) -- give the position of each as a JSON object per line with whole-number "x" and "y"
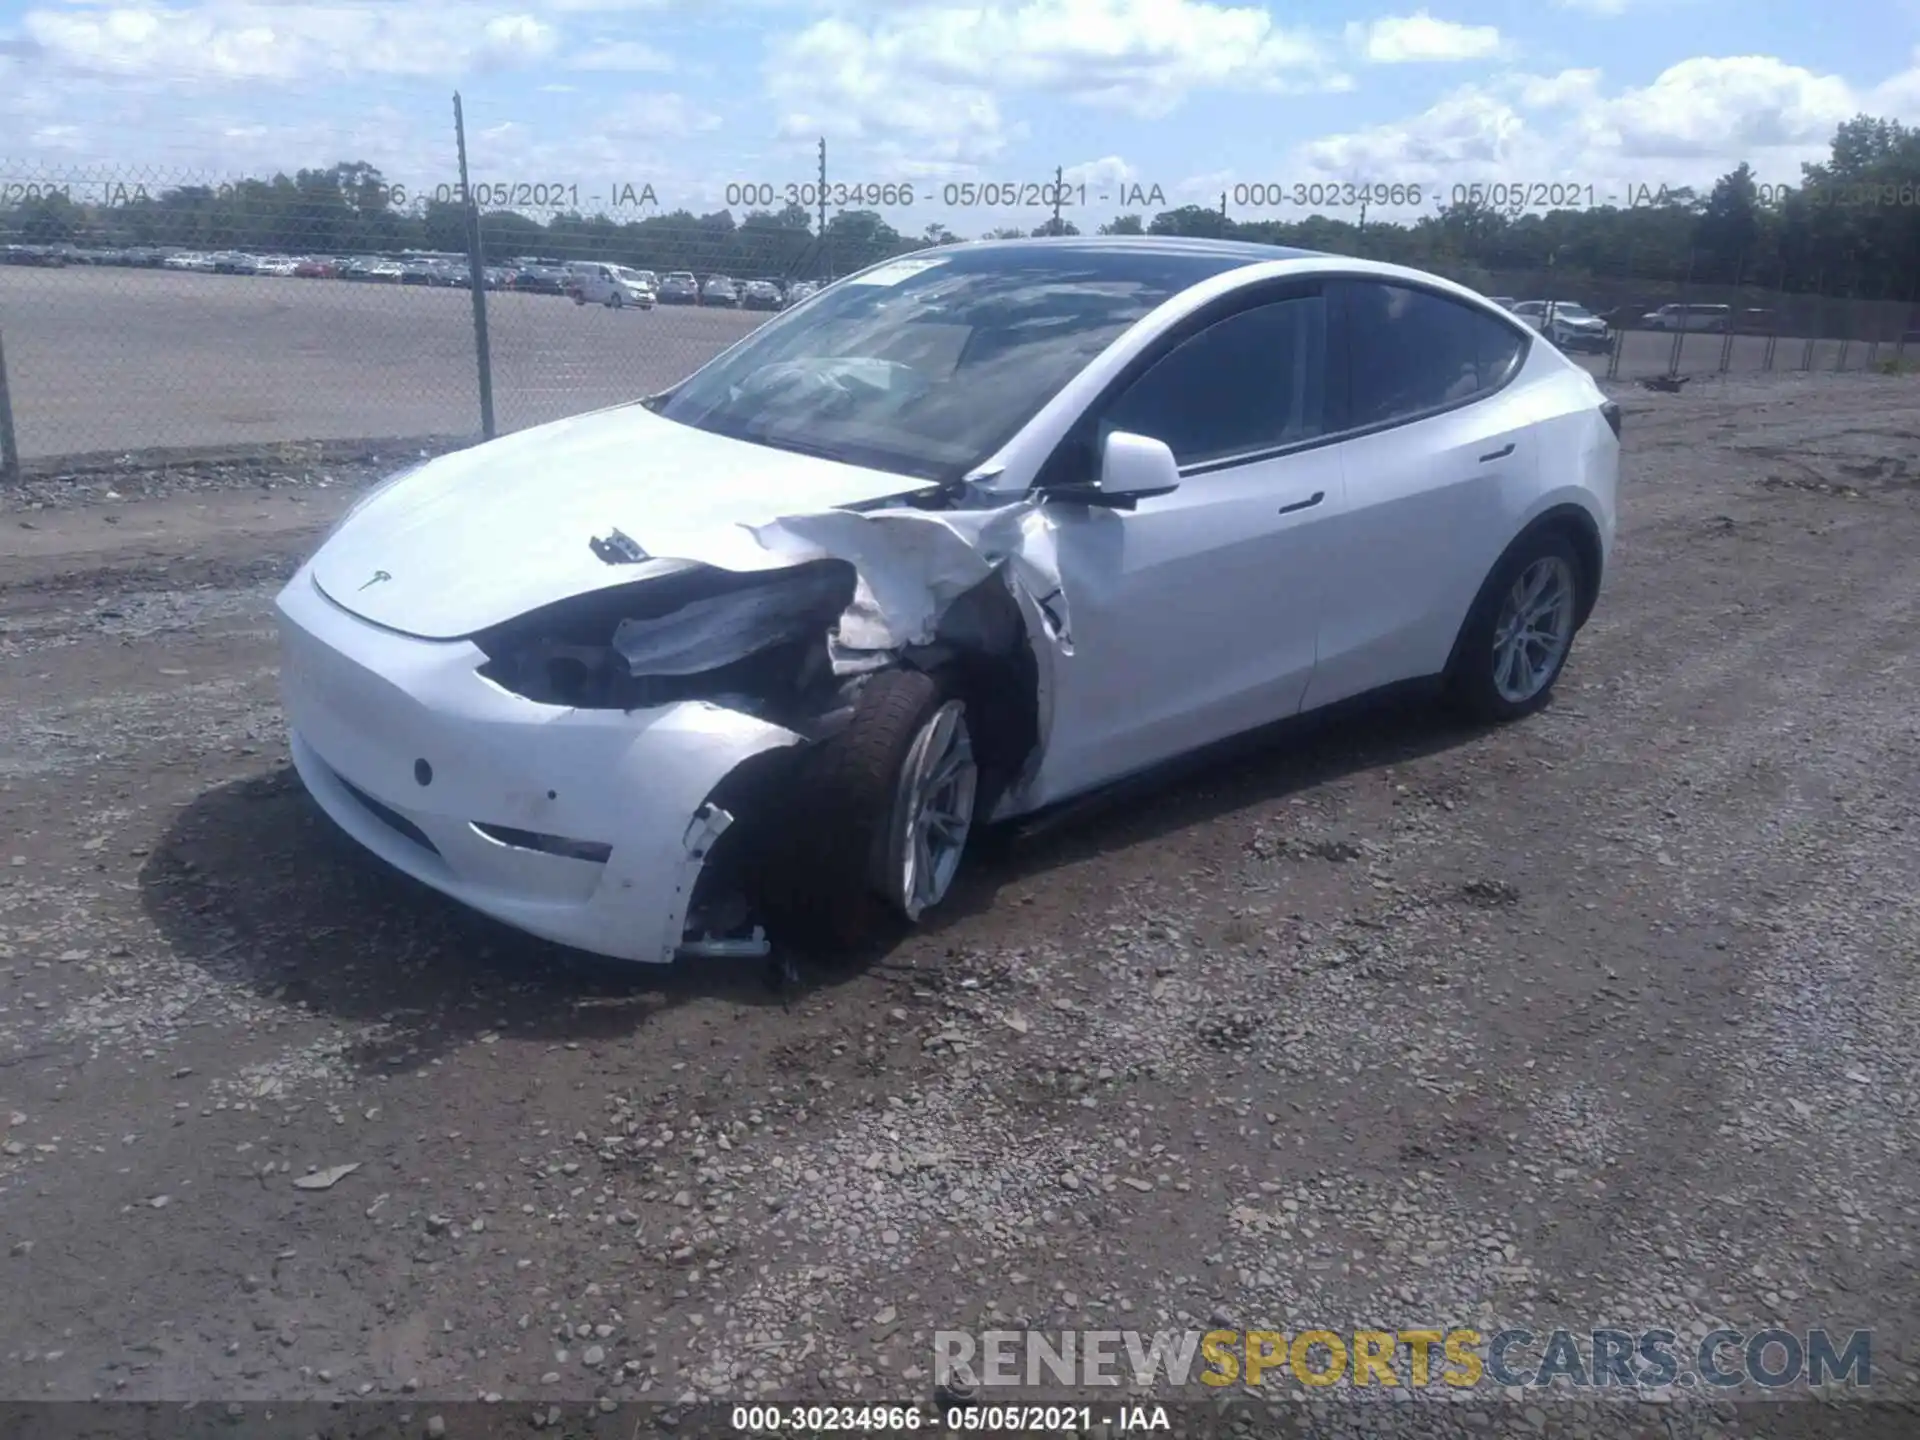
{"x": 1605, "y": 1018}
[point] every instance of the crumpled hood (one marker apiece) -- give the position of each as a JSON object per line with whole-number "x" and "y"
{"x": 482, "y": 535}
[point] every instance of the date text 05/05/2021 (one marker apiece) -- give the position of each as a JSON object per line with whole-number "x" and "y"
{"x": 1076, "y": 1420}
{"x": 954, "y": 194}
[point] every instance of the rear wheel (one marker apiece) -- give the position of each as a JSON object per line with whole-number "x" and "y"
{"x": 1517, "y": 638}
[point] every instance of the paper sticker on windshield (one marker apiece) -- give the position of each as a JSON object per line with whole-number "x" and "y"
{"x": 896, "y": 271}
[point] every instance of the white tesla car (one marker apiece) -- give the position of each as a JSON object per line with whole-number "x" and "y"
{"x": 973, "y": 532}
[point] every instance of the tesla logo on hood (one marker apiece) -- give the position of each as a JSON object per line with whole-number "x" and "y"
{"x": 378, "y": 576}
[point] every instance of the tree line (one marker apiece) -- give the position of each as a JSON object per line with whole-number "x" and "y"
{"x": 1851, "y": 227}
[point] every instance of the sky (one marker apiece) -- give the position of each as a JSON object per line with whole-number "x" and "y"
{"x": 615, "y": 103}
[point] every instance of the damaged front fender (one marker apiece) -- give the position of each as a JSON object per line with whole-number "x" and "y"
{"x": 791, "y": 642}
{"x": 913, "y": 564}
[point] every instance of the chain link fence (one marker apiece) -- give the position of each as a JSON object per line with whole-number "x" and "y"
{"x": 155, "y": 309}
{"x": 161, "y": 309}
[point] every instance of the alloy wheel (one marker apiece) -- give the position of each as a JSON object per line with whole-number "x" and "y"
{"x": 933, "y": 811}
{"x": 1534, "y": 630}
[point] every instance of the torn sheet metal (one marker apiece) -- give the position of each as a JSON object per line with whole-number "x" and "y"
{"x": 913, "y": 564}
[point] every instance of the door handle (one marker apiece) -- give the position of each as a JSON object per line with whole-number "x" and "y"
{"x": 1499, "y": 454}
{"x": 1307, "y": 504}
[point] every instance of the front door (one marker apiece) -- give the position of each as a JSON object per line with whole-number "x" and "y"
{"x": 1194, "y": 616}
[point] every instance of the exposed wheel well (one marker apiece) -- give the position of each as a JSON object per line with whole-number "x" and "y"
{"x": 983, "y": 646}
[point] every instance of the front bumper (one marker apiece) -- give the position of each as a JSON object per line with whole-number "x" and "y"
{"x": 427, "y": 764}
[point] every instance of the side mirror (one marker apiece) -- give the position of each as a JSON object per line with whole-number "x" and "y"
{"x": 1137, "y": 466}
{"x": 1132, "y": 468}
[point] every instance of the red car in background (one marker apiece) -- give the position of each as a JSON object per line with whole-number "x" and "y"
{"x": 315, "y": 269}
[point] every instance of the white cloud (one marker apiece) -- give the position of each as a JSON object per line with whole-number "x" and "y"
{"x": 1097, "y": 175}
{"x": 938, "y": 72}
{"x": 657, "y": 117}
{"x": 1714, "y": 108}
{"x": 1692, "y": 123}
{"x": 1469, "y": 129}
{"x": 1547, "y": 92}
{"x": 1419, "y": 38}
{"x": 1899, "y": 95}
{"x": 621, "y": 55}
{"x": 245, "y": 40}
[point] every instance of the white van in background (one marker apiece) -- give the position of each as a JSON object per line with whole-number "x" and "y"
{"x": 614, "y": 286}
{"x": 1688, "y": 317}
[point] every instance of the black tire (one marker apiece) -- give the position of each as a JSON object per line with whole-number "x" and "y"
{"x": 1471, "y": 684}
{"x": 617, "y": 301}
{"x": 843, "y": 800}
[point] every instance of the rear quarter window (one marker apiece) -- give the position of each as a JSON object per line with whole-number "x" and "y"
{"x": 1412, "y": 351}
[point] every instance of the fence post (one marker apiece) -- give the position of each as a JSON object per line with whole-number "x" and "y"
{"x": 9, "y": 441}
{"x": 826, "y": 254}
{"x": 1846, "y": 320}
{"x": 1873, "y": 335}
{"x": 1820, "y": 309}
{"x": 1733, "y": 318}
{"x": 477, "y": 273}
{"x": 1680, "y": 335}
{"x": 1906, "y": 323}
{"x": 1626, "y": 315}
{"x": 1773, "y": 324}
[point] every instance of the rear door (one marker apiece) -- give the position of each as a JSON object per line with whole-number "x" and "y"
{"x": 1439, "y": 449}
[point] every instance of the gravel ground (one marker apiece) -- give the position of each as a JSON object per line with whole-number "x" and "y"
{"x": 1601, "y": 1019}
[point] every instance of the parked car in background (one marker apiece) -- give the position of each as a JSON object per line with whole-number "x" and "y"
{"x": 1689, "y": 317}
{"x": 761, "y": 295}
{"x": 375, "y": 269}
{"x": 719, "y": 290}
{"x": 189, "y": 260}
{"x": 679, "y": 287}
{"x": 800, "y": 290}
{"x": 541, "y": 279}
{"x": 43, "y": 256}
{"x": 315, "y": 268}
{"x": 614, "y": 286}
{"x": 1141, "y": 434}
{"x": 1566, "y": 323}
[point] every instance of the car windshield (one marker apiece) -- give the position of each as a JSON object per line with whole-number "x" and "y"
{"x": 926, "y": 365}
{"x": 1572, "y": 311}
